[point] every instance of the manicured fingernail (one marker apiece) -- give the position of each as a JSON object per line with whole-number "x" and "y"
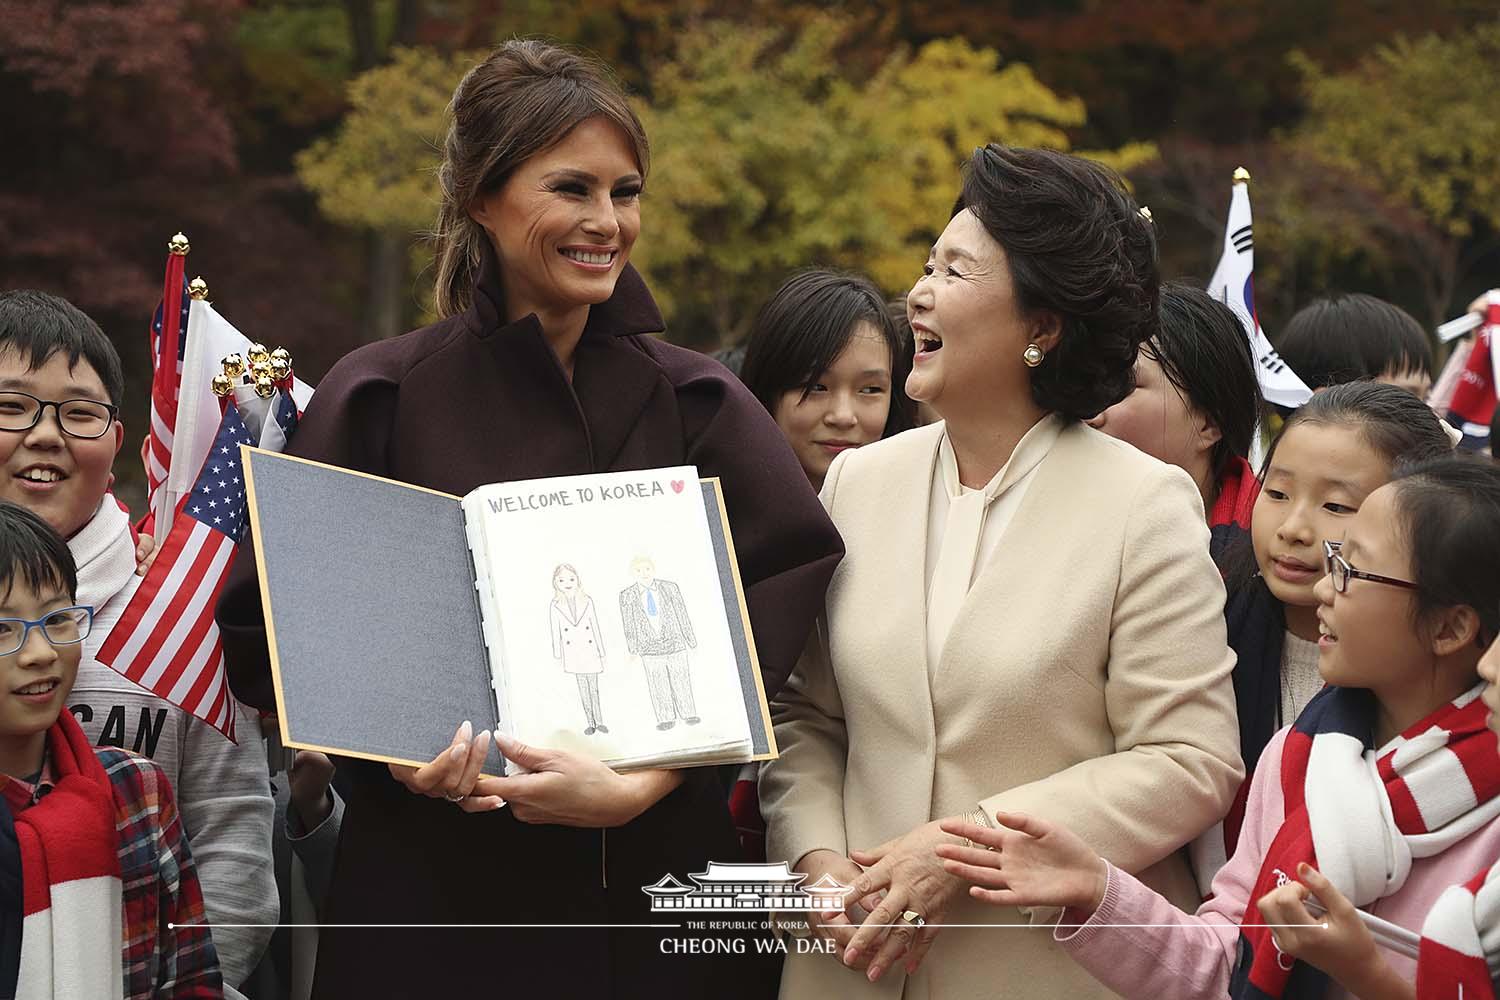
{"x": 874, "y": 973}
{"x": 499, "y": 803}
{"x": 465, "y": 732}
{"x": 850, "y": 955}
{"x": 460, "y": 751}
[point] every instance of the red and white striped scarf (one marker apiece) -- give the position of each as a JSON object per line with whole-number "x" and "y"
{"x": 1362, "y": 818}
{"x": 71, "y": 931}
{"x": 1460, "y": 937}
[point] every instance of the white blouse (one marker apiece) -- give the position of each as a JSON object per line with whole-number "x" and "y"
{"x": 1300, "y": 679}
{"x": 964, "y": 526}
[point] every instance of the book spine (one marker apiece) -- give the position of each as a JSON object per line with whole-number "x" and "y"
{"x": 489, "y": 623}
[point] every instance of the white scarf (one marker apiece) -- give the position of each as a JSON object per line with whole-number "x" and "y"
{"x": 105, "y": 556}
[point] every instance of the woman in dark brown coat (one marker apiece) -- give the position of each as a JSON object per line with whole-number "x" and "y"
{"x": 541, "y": 366}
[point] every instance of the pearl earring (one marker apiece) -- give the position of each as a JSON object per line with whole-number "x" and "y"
{"x": 1032, "y": 355}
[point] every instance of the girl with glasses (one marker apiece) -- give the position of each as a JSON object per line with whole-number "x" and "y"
{"x": 1382, "y": 795}
{"x": 1330, "y": 455}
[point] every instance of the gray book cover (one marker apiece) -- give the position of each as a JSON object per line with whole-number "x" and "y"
{"x": 376, "y": 619}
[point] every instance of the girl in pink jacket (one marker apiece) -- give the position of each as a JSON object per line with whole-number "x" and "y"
{"x": 1382, "y": 795}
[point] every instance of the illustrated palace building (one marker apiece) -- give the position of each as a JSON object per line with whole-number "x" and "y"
{"x": 747, "y": 887}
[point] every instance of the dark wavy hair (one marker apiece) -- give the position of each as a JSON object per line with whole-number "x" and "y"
{"x": 1450, "y": 512}
{"x": 1078, "y": 247}
{"x": 1345, "y": 338}
{"x": 1204, "y": 353}
{"x": 805, "y": 326}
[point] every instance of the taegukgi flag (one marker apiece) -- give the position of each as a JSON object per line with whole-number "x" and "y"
{"x": 1233, "y": 284}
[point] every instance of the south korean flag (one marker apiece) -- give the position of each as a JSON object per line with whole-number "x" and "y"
{"x": 1233, "y": 284}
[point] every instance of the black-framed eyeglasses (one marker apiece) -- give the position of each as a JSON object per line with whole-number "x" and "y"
{"x": 64, "y": 627}
{"x": 80, "y": 418}
{"x": 1342, "y": 572}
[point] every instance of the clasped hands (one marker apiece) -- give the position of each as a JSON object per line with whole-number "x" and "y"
{"x": 1027, "y": 861}
{"x": 562, "y": 788}
{"x": 924, "y": 871}
{"x": 900, "y": 876}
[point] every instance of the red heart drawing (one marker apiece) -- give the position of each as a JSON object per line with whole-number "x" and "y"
{"x": 677, "y": 485}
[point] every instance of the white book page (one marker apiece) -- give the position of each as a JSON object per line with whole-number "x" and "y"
{"x": 610, "y": 615}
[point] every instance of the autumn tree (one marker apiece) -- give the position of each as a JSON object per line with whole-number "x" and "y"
{"x": 1413, "y": 121}
{"x": 773, "y": 156}
{"x": 376, "y": 169}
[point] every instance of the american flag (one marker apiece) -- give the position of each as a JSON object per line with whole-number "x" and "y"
{"x": 166, "y": 639}
{"x": 168, "y": 345}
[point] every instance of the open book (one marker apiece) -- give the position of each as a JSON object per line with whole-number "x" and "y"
{"x": 601, "y": 614}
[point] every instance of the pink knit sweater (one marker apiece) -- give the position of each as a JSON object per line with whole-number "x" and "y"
{"x": 1190, "y": 958}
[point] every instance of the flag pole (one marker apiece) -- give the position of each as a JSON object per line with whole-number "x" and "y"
{"x": 177, "y": 251}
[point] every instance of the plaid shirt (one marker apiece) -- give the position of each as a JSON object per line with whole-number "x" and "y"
{"x": 159, "y": 883}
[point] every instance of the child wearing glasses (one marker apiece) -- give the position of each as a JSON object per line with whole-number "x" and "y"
{"x": 1330, "y": 455}
{"x": 98, "y": 887}
{"x": 60, "y": 388}
{"x": 1383, "y": 794}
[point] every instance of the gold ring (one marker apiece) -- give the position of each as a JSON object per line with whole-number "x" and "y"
{"x": 455, "y": 798}
{"x": 914, "y": 918}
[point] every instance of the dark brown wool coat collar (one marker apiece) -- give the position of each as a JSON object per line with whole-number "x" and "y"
{"x": 613, "y": 379}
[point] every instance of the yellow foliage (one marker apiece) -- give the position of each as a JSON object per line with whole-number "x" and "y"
{"x": 377, "y": 170}
{"x": 1416, "y": 119}
{"x": 767, "y": 157}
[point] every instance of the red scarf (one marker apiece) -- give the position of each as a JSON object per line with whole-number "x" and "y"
{"x": 1459, "y": 937}
{"x": 1237, "y": 491}
{"x": 1440, "y": 779}
{"x": 70, "y": 876}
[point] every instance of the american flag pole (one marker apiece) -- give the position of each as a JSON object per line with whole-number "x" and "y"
{"x": 168, "y": 340}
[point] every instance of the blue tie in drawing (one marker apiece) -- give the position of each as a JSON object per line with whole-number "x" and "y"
{"x": 660, "y": 633}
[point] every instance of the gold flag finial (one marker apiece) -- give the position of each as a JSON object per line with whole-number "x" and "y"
{"x": 1146, "y": 214}
{"x": 178, "y": 245}
{"x": 258, "y": 354}
{"x": 281, "y": 364}
{"x": 198, "y": 289}
{"x": 1241, "y": 175}
{"x": 222, "y": 384}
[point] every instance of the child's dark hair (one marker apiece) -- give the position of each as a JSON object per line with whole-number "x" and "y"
{"x": 1449, "y": 510}
{"x": 1345, "y": 338}
{"x": 1398, "y": 425}
{"x": 1204, "y": 353}
{"x": 32, "y": 551}
{"x": 805, "y": 326}
{"x": 36, "y": 326}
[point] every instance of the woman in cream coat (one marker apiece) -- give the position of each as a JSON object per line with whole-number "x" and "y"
{"x": 1027, "y": 618}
